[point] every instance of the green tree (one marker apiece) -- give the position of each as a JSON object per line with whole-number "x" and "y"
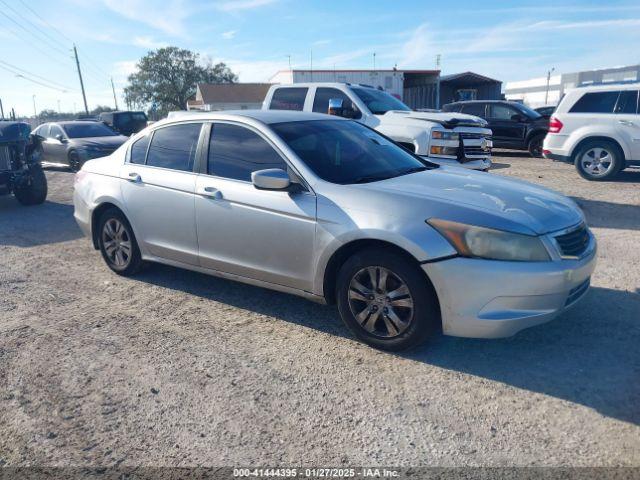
{"x": 167, "y": 77}
{"x": 99, "y": 109}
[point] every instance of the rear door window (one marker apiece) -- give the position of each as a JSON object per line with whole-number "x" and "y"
{"x": 501, "y": 112}
{"x": 288, "y": 99}
{"x": 476, "y": 109}
{"x": 627, "y": 102}
{"x": 596, "y": 102}
{"x": 174, "y": 147}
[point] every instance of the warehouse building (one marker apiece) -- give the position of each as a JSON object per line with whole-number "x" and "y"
{"x": 537, "y": 93}
{"x": 228, "y": 96}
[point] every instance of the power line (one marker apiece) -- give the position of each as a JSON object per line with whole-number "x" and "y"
{"x": 63, "y": 50}
{"x": 32, "y": 80}
{"x": 37, "y": 76}
{"x": 45, "y": 22}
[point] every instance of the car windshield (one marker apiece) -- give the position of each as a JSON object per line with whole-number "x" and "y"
{"x": 529, "y": 112}
{"x": 379, "y": 102}
{"x": 88, "y": 129}
{"x": 346, "y": 152}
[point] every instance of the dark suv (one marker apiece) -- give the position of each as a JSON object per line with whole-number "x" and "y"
{"x": 125, "y": 123}
{"x": 514, "y": 125}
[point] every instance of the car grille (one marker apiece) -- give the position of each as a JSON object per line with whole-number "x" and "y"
{"x": 577, "y": 292}
{"x": 574, "y": 243}
{"x": 474, "y": 136}
{"x": 472, "y": 148}
{"x": 5, "y": 158}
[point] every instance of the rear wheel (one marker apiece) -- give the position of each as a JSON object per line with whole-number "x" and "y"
{"x": 599, "y": 160}
{"x": 535, "y": 145}
{"x": 386, "y": 300}
{"x": 34, "y": 191}
{"x": 75, "y": 164}
{"x": 118, "y": 244}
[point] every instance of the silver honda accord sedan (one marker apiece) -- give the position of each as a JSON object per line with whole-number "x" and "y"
{"x": 326, "y": 208}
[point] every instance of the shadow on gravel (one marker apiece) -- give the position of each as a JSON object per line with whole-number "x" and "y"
{"x": 511, "y": 153}
{"x": 610, "y": 215}
{"x": 589, "y": 355}
{"x": 43, "y": 224}
{"x": 499, "y": 166}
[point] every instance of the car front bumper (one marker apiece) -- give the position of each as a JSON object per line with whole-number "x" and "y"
{"x": 492, "y": 299}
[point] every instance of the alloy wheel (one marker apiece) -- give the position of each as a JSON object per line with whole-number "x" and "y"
{"x": 597, "y": 161}
{"x": 381, "y": 302}
{"x": 116, "y": 242}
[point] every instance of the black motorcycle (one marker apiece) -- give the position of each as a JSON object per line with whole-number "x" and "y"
{"x": 20, "y": 169}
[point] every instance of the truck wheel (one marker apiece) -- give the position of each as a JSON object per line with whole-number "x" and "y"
{"x": 386, "y": 300}
{"x": 35, "y": 191}
{"x": 599, "y": 160}
{"x": 535, "y": 145}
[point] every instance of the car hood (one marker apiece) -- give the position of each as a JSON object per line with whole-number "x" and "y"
{"x": 100, "y": 142}
{"x": 446, "y": 119}
{"x": 475, "y": 198}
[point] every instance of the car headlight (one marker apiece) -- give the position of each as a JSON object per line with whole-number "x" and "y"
{"x": 440, "y": 135}
{"x": 481, "y": 242}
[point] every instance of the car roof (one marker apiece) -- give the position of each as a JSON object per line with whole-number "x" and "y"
{"x": 484, "y": 101}
{"x": 264, "y": 116}
{"x": 324, "y": 84}
{"x": 608, "y": 87}
{"x": 76, "y": 122}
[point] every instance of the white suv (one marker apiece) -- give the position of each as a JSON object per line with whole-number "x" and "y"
{"x": 597, "y": 129}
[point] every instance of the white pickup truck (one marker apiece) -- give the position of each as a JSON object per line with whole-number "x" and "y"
{"x": 442, "y": 138}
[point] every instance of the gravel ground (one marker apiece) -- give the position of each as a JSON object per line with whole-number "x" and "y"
{"x": 177, "y": 368}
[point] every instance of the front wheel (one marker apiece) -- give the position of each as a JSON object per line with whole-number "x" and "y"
{"x": 34, "y": 191}
{"x": 535, "y": 146}
{"x": 599, "y": 160}
{"x": 118, "y": 244}
{"x": 386, "y": 300}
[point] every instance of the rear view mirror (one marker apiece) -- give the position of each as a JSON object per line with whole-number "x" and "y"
{"x": 270, "y": 179}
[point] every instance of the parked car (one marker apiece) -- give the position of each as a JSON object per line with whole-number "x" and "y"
{"x": 20, "y": 170}
{"x": 126, "y": 123}
{"x": 513, "y": 124}
{"x": 442, "y": 138}
{"x": 331, "y": 210}
{"x": 546, "y": 111}
{"x": 74, "y": 142}
{"x": 597, "y": 129}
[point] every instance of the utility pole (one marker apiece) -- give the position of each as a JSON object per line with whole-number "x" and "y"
{"x": 289, "y": 57}
{"x": 84, "y": 96}
{"x": 35, "y": 112}
{"x": 374, "y": 61}
{"x": 438, "y": 58}
{"x": 59, "y": 106}
{"x": 1, "y": 110}
{"x": 311, "y": 64}
{"x": 546, "y": 95}
{"x": 115, "y": 100}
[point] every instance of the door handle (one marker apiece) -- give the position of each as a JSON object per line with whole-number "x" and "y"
{"x": 134, "y": 177}
{"x": 212, "y": 193}
{"x": 628, "y": 123}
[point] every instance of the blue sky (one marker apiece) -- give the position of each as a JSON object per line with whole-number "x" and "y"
{"x": 505, "y": 40}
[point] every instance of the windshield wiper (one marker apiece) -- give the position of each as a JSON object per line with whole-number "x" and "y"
{"x": 370, "y": 178}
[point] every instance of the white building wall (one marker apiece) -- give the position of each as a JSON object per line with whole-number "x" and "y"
{"x": 391, "y": 82}
{"x": 211, "y": 107}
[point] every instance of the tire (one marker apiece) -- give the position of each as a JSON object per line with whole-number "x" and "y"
{"x": 610, "y": 160}
{"x": 124, "y": 258}
{"x": 35, "y": 192}
{"x": 75, "y": 164}
{"x": 371, "y": 315}
{"x": 535, "y": 145}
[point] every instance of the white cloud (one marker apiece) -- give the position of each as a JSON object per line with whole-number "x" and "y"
{"x": 150, "y": 13}
{"x": 229, "y": 35}
{"x": 147, "y": 42}
{"x": 236, "y": 5}
{"x": 124, "y": 68}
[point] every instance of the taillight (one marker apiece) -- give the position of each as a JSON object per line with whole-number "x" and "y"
{"x": 555, "y": 125}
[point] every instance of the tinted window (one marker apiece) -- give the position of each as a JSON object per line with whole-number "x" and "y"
{"x": 235, "y": 152}
{"x": 42, "y": 130}
{"x": 87, "y": 129}
{"x": 323, "y": 95}
{"x": 596, "y": 102}
{"x": 346, "y": 152}
{"x": 500, "y": 112}
{"x": 627, "y": 102}
{"x": 288, "y": 99}
{"x": 476, "y": 109}
{"x": 528, "y": 112}
{"x": 379, "y": 102}
{"x": 139, "y": 150}
{"x": 174, "y": 147}
{"x": 55, "y": 131}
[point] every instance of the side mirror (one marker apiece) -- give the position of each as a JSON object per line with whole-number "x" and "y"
{"x": 517, "y": 117}
{"x": 270, "y": 179}
{"x": 60, "y": 138}
{"x": 336, "y": 106}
